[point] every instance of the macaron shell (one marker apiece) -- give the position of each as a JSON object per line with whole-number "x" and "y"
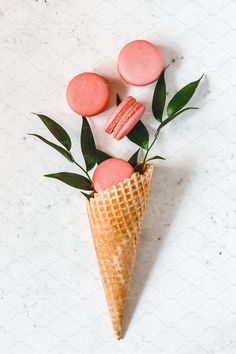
{"x": 88, "y": 94}
{"x": 140, "y": 63}
{"x": 118, "y": 113}
{"x": 110, "y": 172}
{"x": 123, "y": 128}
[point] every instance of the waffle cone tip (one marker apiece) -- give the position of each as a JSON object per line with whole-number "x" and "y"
{"x": 118, "y": 334}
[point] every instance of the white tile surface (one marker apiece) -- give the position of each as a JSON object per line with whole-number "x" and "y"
{"x": 183, "y": 294}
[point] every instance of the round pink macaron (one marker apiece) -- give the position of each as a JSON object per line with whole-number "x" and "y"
{"x": 140, "y": 63}
{"x": 87, "y": 94}
{"x": 110, "y": 172}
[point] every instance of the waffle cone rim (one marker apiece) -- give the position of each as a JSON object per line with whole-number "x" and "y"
{"x": 148, "y": 167}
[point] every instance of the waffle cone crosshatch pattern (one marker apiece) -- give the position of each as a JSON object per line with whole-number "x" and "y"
{"x": 116, "y": 217}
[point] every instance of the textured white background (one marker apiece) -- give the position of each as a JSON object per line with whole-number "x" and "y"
{"x": 183, "y": 296}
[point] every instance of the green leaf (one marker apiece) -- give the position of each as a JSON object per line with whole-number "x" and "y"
{"x": 60, "y": 149}
{"x": 139, "y": 135}
{"x": 102, "y": 156}
{"x": 88, "y": 145}
{"x": 155, "y": 158}
{"x": 59, "y": 133}
{"x": 118, "y": 100}
{"x": 88, "y": 196}
{"x": 73, "y": 180}
{"x": 159, "y": 97}
{"x": 134, "y": 158}
{"x": 167, "y": 120}
{"x": 182, "y": 97}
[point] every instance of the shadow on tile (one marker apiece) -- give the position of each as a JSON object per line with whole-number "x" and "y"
{"x": 168, "y": 187}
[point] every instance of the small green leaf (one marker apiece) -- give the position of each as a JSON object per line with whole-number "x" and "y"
{"x": 73, "y": 180}
{"x": 182, "y": 97}
{"x": 118, "y": 100}
{"x": 139, "y": 135}
{"x": 159, "y": 97}
{"x": 88, "y": 196}
{"x": 167, "y": 120}
{"x": 156, "y": 158}
{"x": 88, "y": 145}
{"x": 60, "y": 149}
{"x": 59, "y": 132}
{"x": 102, "y": 156}
{"x": 134, "y": 158}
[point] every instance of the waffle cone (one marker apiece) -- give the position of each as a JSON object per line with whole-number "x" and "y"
{"x": 116, "y": 216}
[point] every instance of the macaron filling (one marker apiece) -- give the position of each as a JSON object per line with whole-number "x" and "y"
{"x": 109, "y": 128}
{"x": 126, "y": 117}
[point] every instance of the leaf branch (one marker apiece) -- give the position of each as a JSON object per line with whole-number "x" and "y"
{"x": 174, "y": 108}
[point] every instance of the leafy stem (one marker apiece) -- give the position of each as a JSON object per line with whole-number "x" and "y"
{"x": 82, "y": 169}
{"x": 88, "y": 149}
{"x": 151, "y": 145}
{"x": 174, "y": 108}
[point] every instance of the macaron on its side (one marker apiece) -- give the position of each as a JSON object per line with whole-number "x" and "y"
{"x": 118, "y": 114}
{"x": 88, "y": 94}
{"x": 110, "y": 172}
{"x": 129, "y": 121}
{"x": 140, "y": 63}
{"x": 124, "y": 118}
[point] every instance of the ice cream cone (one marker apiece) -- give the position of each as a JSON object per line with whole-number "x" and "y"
{"x": 116, "y": 216}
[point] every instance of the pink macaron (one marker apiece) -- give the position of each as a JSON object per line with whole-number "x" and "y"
{"x": 124, "y": 118}
{"x": 140, "y": 63}
{"x": 88, "y": 94}
{"x": 110, "y": 172}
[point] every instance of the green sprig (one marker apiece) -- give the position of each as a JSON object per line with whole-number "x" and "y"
{"x": 176, "y": 106}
